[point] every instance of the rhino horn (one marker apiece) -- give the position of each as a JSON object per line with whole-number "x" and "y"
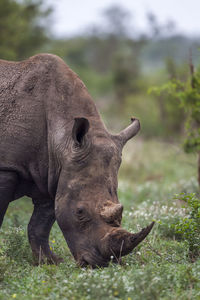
{"x": 129, "y": 132}
{"x": 133, "y": 239}
{"x": 121, "y": 242}
{"x": 111, "y": 211}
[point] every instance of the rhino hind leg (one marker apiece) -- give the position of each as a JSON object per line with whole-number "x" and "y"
{"x": 8, "y": 184}
{"x": 39, "y": 227}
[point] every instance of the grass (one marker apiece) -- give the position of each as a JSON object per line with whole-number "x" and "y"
{"x": 151, "y": 173}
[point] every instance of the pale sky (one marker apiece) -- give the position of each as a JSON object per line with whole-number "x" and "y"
{"x": 73, "y": 16}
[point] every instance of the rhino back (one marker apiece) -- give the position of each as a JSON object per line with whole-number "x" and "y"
{"x": 22, "y": 122}
{"x": 36, "y": 96}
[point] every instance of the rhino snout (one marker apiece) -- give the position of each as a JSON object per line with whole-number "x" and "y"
{"x": 116, "y": 243}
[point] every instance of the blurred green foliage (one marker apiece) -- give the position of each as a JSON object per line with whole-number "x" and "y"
{"x": 188, "y": 227}
{"x": 22, "y": 29}
{"x": 184, "y": 96}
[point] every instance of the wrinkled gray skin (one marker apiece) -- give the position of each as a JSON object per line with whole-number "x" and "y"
{"x": 55, "y": 149}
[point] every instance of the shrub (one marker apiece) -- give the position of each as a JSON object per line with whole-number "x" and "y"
{"x": 188, "y": 227}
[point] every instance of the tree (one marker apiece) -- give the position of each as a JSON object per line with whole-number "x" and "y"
{"x": 158, "y": 30}
{"x": 123, "y": 52}
{"x": 172, "y": 115}
{"x": 189, "y": 96}
{"x": 187, "y": 92}
{"x": 126, "y": 70}
{"x": 22, "y": 28}
{"x": 117, "y": 21}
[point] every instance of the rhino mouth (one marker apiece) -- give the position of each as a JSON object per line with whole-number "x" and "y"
{"x": 94, "y": 260}
{"x": 93, "y": 263}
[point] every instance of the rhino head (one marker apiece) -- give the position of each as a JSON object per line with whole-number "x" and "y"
{"x": 87, "y": 207}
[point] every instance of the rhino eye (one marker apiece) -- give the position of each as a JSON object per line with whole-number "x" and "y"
{"x": 80, "y": 210}
{"x": 82, "y": 217}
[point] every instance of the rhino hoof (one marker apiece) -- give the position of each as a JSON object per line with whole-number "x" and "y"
{"x": 53, "y": 259}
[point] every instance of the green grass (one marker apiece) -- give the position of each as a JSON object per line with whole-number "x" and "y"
{"x": 151, "y": 173}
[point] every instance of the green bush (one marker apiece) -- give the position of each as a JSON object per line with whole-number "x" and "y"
{"x": 16, "y": 247}
{"x": 188, "y": 227}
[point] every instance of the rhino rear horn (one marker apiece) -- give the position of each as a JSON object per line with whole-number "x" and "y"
{"x": 80, "y": 128}
{"x": 111, "y": 211}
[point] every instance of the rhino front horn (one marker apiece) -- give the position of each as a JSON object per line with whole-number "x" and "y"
{"x": 121, "y": 242}
{"x": 135, "y": 239}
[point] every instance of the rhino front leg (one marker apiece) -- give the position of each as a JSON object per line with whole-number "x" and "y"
{"x": 8, "y": 184}
{"x": 39, "y": 227}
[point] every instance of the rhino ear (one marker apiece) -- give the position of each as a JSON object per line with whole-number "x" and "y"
{"x": 80, "y": 128}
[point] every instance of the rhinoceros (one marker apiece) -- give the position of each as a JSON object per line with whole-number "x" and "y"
{"x": 55, "y": 149}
